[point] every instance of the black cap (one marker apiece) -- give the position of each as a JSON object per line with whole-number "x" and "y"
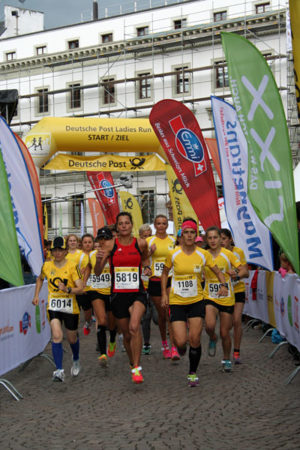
{"x": 104, "y": 233}
{"x": 58, "y": 242}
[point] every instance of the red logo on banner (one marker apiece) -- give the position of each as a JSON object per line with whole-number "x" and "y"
{"x": 102, "y": 183}
{"x": 188, "y": 145}
{"x": 180, "y": 136}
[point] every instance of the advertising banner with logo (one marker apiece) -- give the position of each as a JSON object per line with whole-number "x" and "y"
{"x": 261, "y": 115}
{"x": 23, "y": 199}
{"x": 213, "y": 150}
{"x": 10, "y": 261}
{"x": 102, "y": 183}
{"x": 131, "y": 205}
{"x": 181, "y": 205}
{"x": 96, "y": 215}
{"x": 106, "y": 163}
{"x": 248, "y": 231}
{"x": 180, "y": 136}
{"x": 24, "y": 328}
{"x": 295, "y": 20}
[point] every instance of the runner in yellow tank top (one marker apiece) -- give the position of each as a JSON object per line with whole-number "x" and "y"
{"x": 215, "y": 303}
{"x": 64, "y": 282}
{"x": 239, "y": 293}
{"x": 159, "y": 247}
{"x": 186, "y": 296}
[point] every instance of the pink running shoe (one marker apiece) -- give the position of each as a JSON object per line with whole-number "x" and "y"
{"x": 174, "y": 354}
{"x": 166, "y": 352}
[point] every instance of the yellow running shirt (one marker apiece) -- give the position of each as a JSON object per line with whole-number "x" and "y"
{"x": 186, "y": 279}
{"x": 225, "y": 261}
{"x": 102, "y": 283}
{"x": 68, "y": 274}
{"x": 157, "y": 259}
{"x": 74, "y": 257}
{"x": 239, "y": 286}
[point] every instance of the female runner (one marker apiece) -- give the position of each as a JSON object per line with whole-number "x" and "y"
{"x": 217, "y": 303}
{"x": 74, "y": 253}
{"x": 186, "y": 296}
{"x": 64, "y": 282}
{"x": 159, "y": 247}
{"x": 239, "y": 293}
{"x": 127, "y": 256}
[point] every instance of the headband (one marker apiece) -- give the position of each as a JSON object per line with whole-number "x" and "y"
{"x": 189, "y": 224}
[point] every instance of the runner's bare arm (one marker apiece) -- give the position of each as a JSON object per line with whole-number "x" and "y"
{"x": 74, "y": 290}
{"x": 38, "y": 287}
{"x": 223, "y": 289}
{"x": 143, "y": 245}
{"x": 164, "y": 292}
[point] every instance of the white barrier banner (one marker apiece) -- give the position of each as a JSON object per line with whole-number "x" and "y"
{"x": 24, "y": 328}
{"x": 286, "y": 307}
{"x": 248, "y": 231}
{"x": 256, "y": 304}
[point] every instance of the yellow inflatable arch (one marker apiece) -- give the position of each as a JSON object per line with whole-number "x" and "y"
{"x": 61, "y": 134}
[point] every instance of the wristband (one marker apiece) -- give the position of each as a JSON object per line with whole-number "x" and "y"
{"x": 69, "y": 290}
{"x": 237, "y": 278}
{"x": 147, "y": 267}
{"x": 223, "y": 284}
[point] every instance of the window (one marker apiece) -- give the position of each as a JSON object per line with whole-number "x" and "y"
{"x": 41, "y": 50}
{"x": 73, "y": 44}
{"x": 142, "y": 31}
{"x": 76, "y": 210}
{"x": 262, "y": 7}
{"x": 182, "y": 80}
{"x": 75, "y": 96}
{"x": 220, "y": 15}
{"x": 221, "y": 75}
{"x": 147, "y": 206}
{"x": 107, "y": 38}
{"x": 47, "y": 202}
{"x": 180, "y": 23}
{"x": 43, "y": 101}
{"x": 108, "y": 91}
{"x": 10, "y": 56}
{"x": 144, "y": 86}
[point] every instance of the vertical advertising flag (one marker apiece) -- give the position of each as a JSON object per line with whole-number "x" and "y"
{"x": 96, "y": 215}
{"x": 130, "y": 204}
{"x": 213, "y": 150}
{"x": 260, "y": 113}
{"x": 180, "y": 136}
{"x": 23, "y": 199}
{"x": 106, "y": 194}
{"x": 46, "y": 223}
{"x": 180, "y": 203}
{"x": 295, "y": 20}
{"x": 10, "y": 261}
{"x": 248, "y": 231}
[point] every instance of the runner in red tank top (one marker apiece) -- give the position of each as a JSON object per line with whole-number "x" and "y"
{"x": 127, "y": 256}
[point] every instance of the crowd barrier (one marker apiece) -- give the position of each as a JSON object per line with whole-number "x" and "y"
{"x": 24, "y": 328}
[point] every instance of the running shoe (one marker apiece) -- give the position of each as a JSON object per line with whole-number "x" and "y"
{"x": 136, "y": 375}
{"x": 236, "y": 358}
{"x": 75, "y": 369}
{"x": 226, "y": 365}
{"x": 103, "y": 360}
{"x": 212, "y": 347}
{"x": 111, "y": 349}
{"x": 174, "y": 354}
{"x": 58, "y": 375}
{"x": 146, "y": 349}
{"x": 87, "y": 328}
{"x": 166, "y": 352}
{"x": 193, "y": 380}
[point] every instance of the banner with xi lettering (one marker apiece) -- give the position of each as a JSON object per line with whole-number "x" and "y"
{"x": 260, "y": 113}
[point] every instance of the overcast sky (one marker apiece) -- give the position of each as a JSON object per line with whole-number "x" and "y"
{"x": 66, "y": 12}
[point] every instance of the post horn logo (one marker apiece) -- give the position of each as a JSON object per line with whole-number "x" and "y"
{"x": 129, "y": 203}
{"x": 177, "y": 187}
{"x": 137, "y": 163}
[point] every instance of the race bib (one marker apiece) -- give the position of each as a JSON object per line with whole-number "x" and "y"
{"x": 101, "y": 281}
{"x": 126, "y": 278}
{"x": 158, "y": 268}
{"x": 185, "y": 286}
{"x": 213, "y": 290}
{"x": 61, "y": 304}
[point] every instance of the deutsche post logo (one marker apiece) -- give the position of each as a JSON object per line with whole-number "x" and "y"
{"x": 137, "y": 163}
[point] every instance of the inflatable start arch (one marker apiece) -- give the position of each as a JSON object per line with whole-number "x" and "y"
{"x": 63, "y": 134}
